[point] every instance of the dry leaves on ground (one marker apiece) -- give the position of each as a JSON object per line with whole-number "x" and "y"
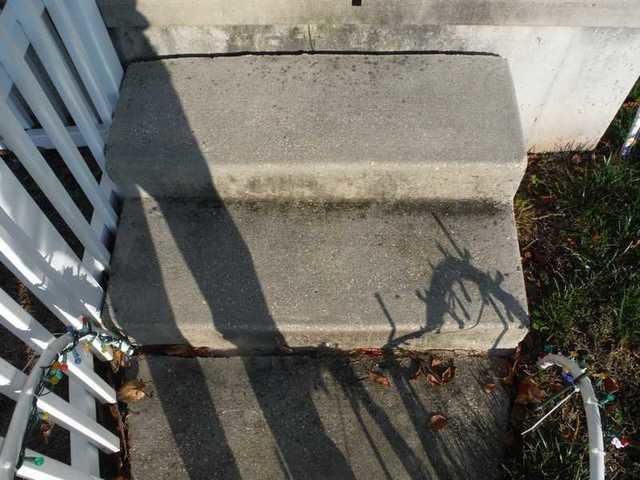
{"x": 438, "y": 371}
{"x": 489, "y": 387}
{"x": 611, "y": 385}
{"x": 439, "y": 422}
{"x": 119, "y": 361}
{"x": 131, "y": 391}
{"x": 379, "y": 378}
{"x": 508, "y": 380}
{"x": 529, "y": 392}
{"x": 433, "y": 379}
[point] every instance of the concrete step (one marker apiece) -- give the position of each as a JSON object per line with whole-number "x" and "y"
{"x": 246, "y": 276}
{"x": 314, "y": 418}
{"x": 319, "y": 128}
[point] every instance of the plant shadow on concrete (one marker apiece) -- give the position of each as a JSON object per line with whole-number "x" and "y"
{"x": 578, "y": 216}
{"x": 444, "y": 304}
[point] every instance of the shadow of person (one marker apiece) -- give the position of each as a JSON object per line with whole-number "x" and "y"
{"x": 212, "y": 248}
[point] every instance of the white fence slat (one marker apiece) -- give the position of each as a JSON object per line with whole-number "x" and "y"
{"x": 18, "y": 205}
{"x": 40, "y": 137}
{"x": 30, "y": 331}
{"x": 73, "y": 41}
{"x": 46, "y": 44}
{"x": 88, "y": 20}
{"x": 50, "y": 470}
{"x": 37, "y": 70}
{"x": 84, "y": 455}
{"x": 19, "y": 110}
{"x": 41, "y": 280}
{"x": 19, "y": 322}
{"x": 39, "y": 101}
{"x": 19, "y": 142}
{"x": 8, "y": 94}
{"x": 11, "y": 383}
{"x": 56, "y": 276}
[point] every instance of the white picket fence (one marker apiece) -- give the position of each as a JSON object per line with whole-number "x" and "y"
{"x": 59, "y": 83}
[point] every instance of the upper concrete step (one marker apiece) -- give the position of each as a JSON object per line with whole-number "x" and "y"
{"x": 245, "y": 276}
{"x": 319, "y": 127}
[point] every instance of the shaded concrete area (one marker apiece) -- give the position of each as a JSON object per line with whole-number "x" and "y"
{"x": 302, "y": 417}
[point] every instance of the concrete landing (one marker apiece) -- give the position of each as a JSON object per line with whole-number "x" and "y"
{"x": 319, "y": 128}
{"x": 248, "y": 276}
{"x": 313, "y": 418}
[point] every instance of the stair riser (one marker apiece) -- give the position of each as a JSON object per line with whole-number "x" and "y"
{"x": 433, "y": 182}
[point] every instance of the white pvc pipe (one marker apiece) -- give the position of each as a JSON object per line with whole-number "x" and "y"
{"x": 632, "y": 136}
{"x": 591, "y": 408}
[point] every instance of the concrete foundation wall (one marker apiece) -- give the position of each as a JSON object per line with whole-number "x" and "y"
{"x": 573, "y": 62}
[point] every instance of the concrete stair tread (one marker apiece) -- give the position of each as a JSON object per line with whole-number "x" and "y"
{"x": 319, "y": 127}
{"x": 316, "y": 418}
{"x": 261, "y": 275}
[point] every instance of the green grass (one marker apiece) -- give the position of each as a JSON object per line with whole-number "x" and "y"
{"x": 599, "y": 227}
{"x": 579, "y": 226}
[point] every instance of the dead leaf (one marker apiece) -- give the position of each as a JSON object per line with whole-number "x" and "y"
{"x": 489, "y": 387}
{"x": 45, "y": 430}
{"x": 439, "y": 422}
{"x": 508, "y": 380}
{"x": 433, "y": 379}
{"x": 131, "y": 391}
{"x": 435, "y": 362}
{"x": 379, "y": 378}
{"x": 528, "y": 392}
{"x": 180, "y": 351}
{"x": 448, "y": 374}
{"x": 117, "y": 417}
{"x": 119, "y": 361}
{"x": 611, "y": 385}
{"x": 369, "y": 352}
{"x": 417, "y": 374}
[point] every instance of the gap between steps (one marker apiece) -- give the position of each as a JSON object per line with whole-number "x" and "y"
{"x": 245, "y": 53}
{"x": 188, "y": 351}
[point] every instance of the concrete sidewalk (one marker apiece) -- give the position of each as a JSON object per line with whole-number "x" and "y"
{"x": 300, "y": 417}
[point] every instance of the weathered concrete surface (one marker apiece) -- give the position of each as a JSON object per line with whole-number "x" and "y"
{"x": 573, "y": 63}
{"x": 577, "y": 13}
{"x": 251, "y": 276}
{"x": 319, "y": 128}
{"x": 316, "y": 418}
